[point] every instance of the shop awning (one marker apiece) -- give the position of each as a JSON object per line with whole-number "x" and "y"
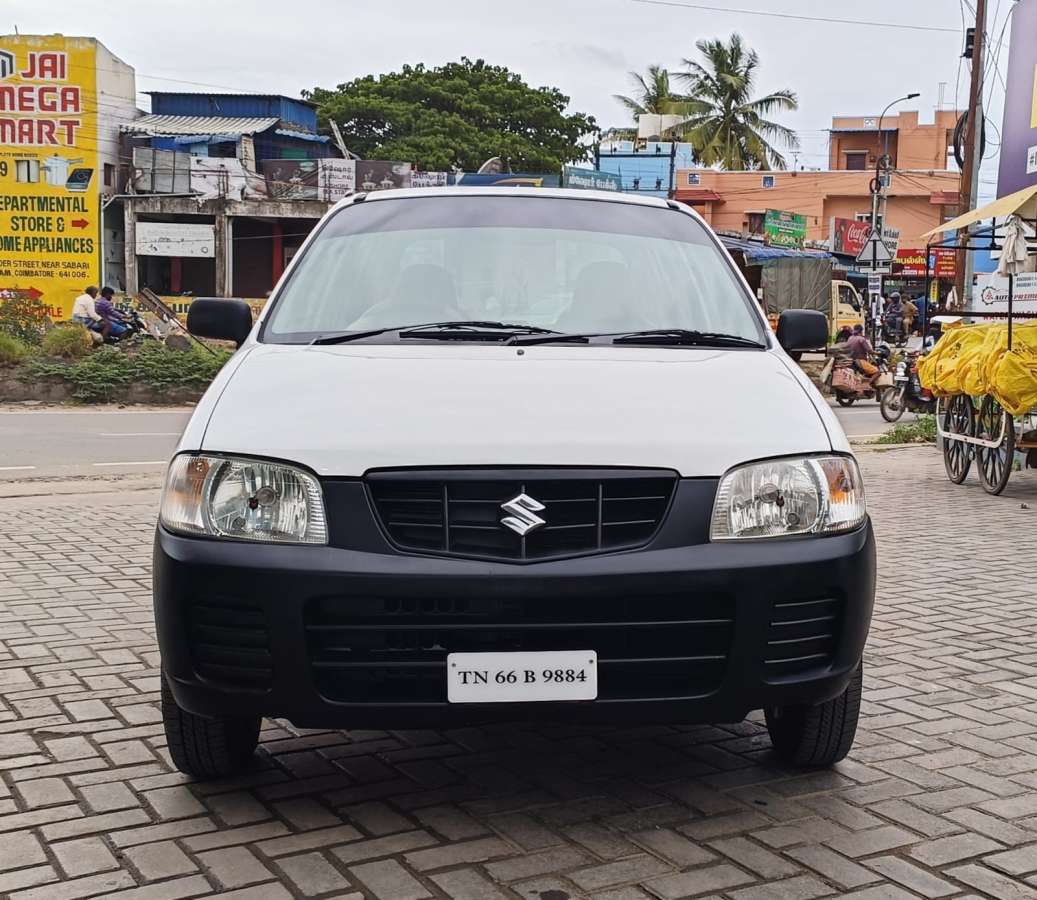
{"x": 184, "y": 126}
{"x": 755, "y": 251}
{"x": 1022, "y": 203}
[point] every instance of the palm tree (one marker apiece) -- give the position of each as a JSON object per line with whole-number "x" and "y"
{"x": 731, "y": 129}
{"x": 653, "y": 93}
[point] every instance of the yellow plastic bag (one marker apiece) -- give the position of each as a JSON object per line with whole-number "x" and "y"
{"x": 1013, "y": 379}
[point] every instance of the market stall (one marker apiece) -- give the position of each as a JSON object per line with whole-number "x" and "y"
{"x": 985, "y": 373}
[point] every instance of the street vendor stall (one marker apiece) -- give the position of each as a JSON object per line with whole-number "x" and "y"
{"x": 985, "y": 374}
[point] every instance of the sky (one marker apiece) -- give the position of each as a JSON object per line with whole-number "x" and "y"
{"x": 583, "y": 47}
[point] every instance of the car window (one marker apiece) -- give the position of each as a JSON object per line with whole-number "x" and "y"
{"x": 568, "y": 265}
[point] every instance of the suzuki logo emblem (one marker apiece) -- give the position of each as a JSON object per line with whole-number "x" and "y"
{"x": 523, "y": 518}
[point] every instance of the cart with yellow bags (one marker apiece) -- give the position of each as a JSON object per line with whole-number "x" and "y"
{"x": 985, "y": 375}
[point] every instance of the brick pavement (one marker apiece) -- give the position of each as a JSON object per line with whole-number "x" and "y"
{"x": 938, "y": 799}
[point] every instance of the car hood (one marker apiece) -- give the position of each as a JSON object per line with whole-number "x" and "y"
{"x": 342, "y": 410}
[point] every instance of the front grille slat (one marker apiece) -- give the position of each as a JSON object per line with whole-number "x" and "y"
{"x": 803, "y": 635}
{"x": 386, "y": 650}
{"x": 459, "y": 512}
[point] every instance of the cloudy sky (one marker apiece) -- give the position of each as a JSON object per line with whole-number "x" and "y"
{"x": 583, "y": 47}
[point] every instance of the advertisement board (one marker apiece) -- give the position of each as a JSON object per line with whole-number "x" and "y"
{"x": 1017, "y": 168}
{"x": 911, "y": 261}
{"x": 991, "y": 294}
{"x": 175, "y": 239}
{"x": 590, "y": 179}
{"x": 429, "y": 179}
{"x": 943, "y": 263}
{"x": 49, "y": 194}
{"x": 309, "y": 179}
{"x": 784, "y": 229}
{"x": 380, "y": 175}
{"x": 848, "y": 236}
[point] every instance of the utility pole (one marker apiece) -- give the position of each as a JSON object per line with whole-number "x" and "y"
{"x": 969, "y": 187}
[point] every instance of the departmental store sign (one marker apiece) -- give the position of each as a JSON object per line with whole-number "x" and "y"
{"x": 49, "y": 200}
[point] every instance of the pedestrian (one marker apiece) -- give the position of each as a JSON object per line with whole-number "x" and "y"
{"x": 84, "y": 310}
{"x": 910, "y": 314}
{"x": 113, "y": 319}
{"x": 860, "y": 350}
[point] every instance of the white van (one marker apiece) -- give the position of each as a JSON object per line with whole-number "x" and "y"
{"x": 510, "y": 453}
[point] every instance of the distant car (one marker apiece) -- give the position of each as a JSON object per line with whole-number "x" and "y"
{"x": 495, "y": 453}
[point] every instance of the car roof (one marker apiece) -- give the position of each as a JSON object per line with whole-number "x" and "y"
{"x": 511, "y": 191}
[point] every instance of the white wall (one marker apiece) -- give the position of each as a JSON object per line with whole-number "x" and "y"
{"x": 117, "y": 104}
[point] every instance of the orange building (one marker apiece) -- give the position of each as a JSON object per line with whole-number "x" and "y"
{"x": 923, "y": 193}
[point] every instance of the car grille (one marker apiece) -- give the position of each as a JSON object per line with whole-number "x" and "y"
{"x": 803, "y": 635}
{"x": 458, "y": 513}
{"x": 229, "y": 642}
{"x": 380, "y": 650}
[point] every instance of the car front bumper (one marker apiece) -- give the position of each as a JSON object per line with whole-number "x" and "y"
{"x": 329, "y": 637}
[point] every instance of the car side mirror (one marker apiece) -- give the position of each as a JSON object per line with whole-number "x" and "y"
{"x": 802, "y": 329}
{"x": 220, "y": 318}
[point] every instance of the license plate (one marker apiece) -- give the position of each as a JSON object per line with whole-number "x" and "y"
{"x": 522, "y": 677}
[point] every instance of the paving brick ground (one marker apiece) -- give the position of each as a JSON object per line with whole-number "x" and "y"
{"x": 938, "y": 799}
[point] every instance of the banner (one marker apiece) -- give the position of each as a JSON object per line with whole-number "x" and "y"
{"x": 49, "y": 193}
{"x": 991, "y": 293}
{"x": 911, "y": 261}
{"x": 784, "y": 229}
{"x": 429, "y": 179}
{"x": 848, "y": 236}
{"x": 176, "y": 239}
{"x": 943, "y": 263}
{"x": 1017, "y": 168}
{"x": 379, "y": 175}
{"x": 590, "y": 179}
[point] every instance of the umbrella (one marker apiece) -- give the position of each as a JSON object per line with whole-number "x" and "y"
{"x": 1014, "y": 252}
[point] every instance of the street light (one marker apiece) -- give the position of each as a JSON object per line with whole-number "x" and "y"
{"x": 876, "y": 185}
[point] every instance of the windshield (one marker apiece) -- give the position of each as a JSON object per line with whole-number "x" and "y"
{"x": 572, "y": 266}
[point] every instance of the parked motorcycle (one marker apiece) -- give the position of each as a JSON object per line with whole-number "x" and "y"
{"x": 907, "y": 392}
{"x": 848, "y": 385}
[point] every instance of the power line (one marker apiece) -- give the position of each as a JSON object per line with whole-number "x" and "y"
{"x": 800, "y": 18}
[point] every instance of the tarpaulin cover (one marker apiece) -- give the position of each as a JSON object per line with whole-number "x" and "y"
{"x": 975, "y": 360}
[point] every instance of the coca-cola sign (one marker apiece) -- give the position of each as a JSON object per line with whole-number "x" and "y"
{"x": 848, "y": 236}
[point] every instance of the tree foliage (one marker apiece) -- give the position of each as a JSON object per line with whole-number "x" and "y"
{"x": 456, "y": 115}
{"x": 730, "y": 128}
{"x": 653, "y": 93}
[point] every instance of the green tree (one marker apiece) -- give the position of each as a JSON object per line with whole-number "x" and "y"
{"x": 731, "y": 128}
{"x": 459, "y": 114}
{"x": 652, "y": 93}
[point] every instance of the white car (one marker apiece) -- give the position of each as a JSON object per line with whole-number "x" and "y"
{"x": 510, "y": 453}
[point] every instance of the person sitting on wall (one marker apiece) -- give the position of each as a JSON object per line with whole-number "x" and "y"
{"x": 113, "y": 319}
{"x": 85, "y": 312}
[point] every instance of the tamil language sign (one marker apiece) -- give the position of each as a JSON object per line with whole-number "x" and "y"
{"x": 49, "y": 196}
{"x": 784, "y": 229}
{"x": 309, "y": 179}
{"x": 590, "y": 179}
{"x": 911, "y": 261}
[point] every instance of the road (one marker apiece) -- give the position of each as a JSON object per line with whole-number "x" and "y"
{"x": 59, "y": 442}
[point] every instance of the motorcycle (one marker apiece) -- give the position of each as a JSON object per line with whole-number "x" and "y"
{"x": 907, "y": 392}
{"x": 848, "y": 385}
{"x": 134, "y": 326}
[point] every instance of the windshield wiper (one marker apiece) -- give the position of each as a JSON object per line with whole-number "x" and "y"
{"x": 447, "y": 330}
{"x": 688, "y": 337}
{"x": 555, "y": 337}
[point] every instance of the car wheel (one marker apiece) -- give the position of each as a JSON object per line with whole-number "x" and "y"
{"x": 207, "y": 747}
{"x": 817, "y": 735}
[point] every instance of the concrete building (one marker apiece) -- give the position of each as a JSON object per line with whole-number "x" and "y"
{"x": 223, "y": 190}
{"x": 62, "y": 102}
{"x": 644, "y": 166}
{"x": 856, "y": 142}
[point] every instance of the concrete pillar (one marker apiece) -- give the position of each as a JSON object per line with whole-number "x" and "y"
{"x": 222, "y": 250}
{"x": 129, "y": 217}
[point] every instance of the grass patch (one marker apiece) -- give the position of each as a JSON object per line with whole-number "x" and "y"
{"x": 12, "y": 350}
{"x": 104, "y": 374}
{"x": 922, "y": 431}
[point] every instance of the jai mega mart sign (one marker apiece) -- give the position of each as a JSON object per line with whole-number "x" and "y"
{"x": 49, "y": 196}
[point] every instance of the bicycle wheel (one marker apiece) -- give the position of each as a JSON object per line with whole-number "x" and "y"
{"x": 958, "y": 418}
{"x": 995, "y": 463}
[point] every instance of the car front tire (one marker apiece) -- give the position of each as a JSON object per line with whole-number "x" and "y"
{"x": 817, "y": 735}
{"x": 207, "y": 747}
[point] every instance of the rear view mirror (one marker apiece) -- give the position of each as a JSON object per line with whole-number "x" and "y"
{"x": 802, "y": 329}
{"x": 220, "y": 318}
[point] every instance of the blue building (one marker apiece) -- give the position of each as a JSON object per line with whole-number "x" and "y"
{"x": 645, "y": 167}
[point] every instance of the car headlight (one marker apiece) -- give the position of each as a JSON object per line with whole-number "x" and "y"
{"x": 784, "y": 497}
{"x": 246, "y": 499}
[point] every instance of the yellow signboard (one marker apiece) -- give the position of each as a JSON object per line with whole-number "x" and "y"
{"x": 49, "y": 182}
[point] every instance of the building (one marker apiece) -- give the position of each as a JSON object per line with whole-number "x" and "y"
{"x": 831, "y": 209}
{"x": 643, "y": 166}
{"x": 62, "y": 101}
{"x": 224, "y": 189}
